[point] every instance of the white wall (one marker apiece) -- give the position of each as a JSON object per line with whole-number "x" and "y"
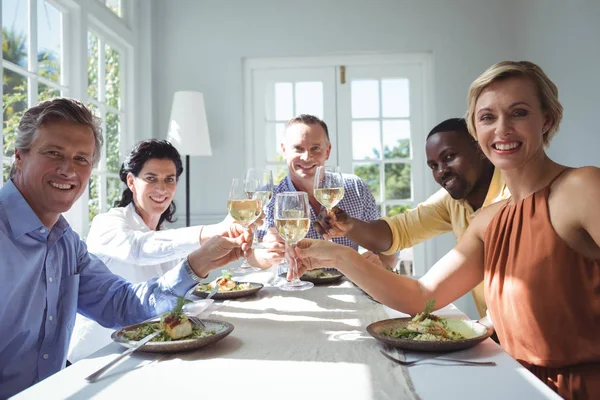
{"x": 563, "y": 38}
{"x": 200, "y": 45}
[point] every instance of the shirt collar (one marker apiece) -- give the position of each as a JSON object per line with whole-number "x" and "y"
{"x": 20, "y": 215}
{"x": 496, "y": 192}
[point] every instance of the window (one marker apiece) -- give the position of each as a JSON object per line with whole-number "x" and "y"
{"x": 374, "y": 108}
{"x": 114, "y": 6}
{"x": 105, "y": 66}
{"x": 32, "y": 64}
{"x": 43, "y": 57}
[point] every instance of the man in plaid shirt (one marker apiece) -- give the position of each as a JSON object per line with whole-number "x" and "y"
{"x": 305, "y": 147}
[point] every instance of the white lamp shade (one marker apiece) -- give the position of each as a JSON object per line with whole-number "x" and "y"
{"x": 188, "y": 128}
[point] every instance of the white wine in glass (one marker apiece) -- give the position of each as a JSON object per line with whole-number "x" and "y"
{"x": 244, "y": 211}
{"x": 328, "y": 186}
{"x": 292, "y": 220}
{"x": 259, "y": 186}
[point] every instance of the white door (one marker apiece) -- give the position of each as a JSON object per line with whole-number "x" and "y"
{"x": 280, "y": 94}
{"x": 375, "y": 111}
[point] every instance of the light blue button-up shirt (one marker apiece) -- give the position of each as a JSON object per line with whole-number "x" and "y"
{"x": 46, "y": 276}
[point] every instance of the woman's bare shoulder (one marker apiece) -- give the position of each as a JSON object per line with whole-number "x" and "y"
{"x": 578, "y": 183}
{"x": 484, "y": 216}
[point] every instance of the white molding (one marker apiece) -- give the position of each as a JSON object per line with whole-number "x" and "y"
{"x": 336, "y": 60}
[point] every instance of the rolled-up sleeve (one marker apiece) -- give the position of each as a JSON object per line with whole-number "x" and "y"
{"x": 430, "y": 219}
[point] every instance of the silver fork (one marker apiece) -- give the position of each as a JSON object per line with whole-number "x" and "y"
{"x": 195, "y": 320}
{"x": 456, "y": 361}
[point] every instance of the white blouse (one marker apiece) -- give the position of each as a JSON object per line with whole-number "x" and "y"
{"x": 121, "y": 239}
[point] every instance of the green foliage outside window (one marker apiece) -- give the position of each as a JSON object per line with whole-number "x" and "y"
{"x": 14, "y": 95}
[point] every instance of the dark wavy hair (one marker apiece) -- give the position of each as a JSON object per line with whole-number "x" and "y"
{"x": 134, "y": 162}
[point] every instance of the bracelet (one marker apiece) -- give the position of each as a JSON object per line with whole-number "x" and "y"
{"x": 191, "y": 273}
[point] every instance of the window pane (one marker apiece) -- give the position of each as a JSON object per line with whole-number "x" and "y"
{"x": 309, "y": 98}
{"x": 114, "y": 6}
{"x": 397, "y": 181}
{"x": 49, "y": 53}
{"x": 94, "y": 110}
{"x": 92, "y": 65}
{"x": 14, "y": 102}
{"x": 395, "y": 99}
{"x": 15, "y": 43}
{"x": 370, "y": 174}
{"x": 113, "y": 158}
{"x": 5, "y": 172}
{"x": 390, "y": 211}
{"x": 46, "y": 92}
{"x": 365, "y": 99}
{"x": 396, "y": 139}
{"x": 94, "y": 199}
{"x": 284, "y": 101}
{"x": 113, "y": 80}
{"x": 365, "y": 140}
{"x": 114, "y": 191}
{"x": 273, "y": 139}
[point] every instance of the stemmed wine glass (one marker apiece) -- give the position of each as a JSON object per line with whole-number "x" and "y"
{"x": 292, "y": 220}
{"x": 329, "y": 186}
{"x": 259, "y": 186}
{"x": 244, "y": 211}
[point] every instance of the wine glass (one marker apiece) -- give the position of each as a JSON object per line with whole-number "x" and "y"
{"x": 292, "y": 220}
{"x": 328, "y": 186}
{"x": 259, "y": 186}
{"x": 244, "y": 211}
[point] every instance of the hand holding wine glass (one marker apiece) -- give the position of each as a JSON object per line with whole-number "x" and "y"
{"x": 328, "y": 186}
{"x": 244, "y": 211}
{"x": 292, "y": 220}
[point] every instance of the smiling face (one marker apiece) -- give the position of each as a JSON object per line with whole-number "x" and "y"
{"x": 455, "y": 162}
{"x": 153, "y": 189}
{"x": 54, "y": 172}
{"x": 305, "y": 147}
{"x": 510, "y": 122}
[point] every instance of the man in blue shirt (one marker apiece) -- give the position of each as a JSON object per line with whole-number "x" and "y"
{"x": 305, "y": 147}
{"x": 46, "y": 272}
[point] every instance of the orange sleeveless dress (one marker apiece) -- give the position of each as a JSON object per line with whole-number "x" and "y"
{"x": 544, "y": 298}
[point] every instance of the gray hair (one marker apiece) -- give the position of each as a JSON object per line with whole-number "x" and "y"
{"x": 58, "y": 109}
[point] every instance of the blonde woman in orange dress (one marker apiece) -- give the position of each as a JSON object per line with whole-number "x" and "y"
{"x": 538, "y": 252}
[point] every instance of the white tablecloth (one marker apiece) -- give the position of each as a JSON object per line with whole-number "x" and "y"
{"x": 296, "y": 345}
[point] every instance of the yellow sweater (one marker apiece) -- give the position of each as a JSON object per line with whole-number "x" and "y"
{"x": 441, "y": 214}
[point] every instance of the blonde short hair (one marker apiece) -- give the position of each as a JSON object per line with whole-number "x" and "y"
{"x": 547, "y": 91}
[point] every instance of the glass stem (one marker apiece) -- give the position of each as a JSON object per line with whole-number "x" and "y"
{"x": 255, "y": 239}
{"x": 294, "y": 266}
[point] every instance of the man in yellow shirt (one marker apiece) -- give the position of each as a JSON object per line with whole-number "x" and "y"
{"x": 469, "y": 182}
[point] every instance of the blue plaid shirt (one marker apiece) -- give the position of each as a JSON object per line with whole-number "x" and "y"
{"x": 358, "y": 202}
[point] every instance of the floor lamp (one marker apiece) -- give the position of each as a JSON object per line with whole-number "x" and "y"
{"x": 188, "y": 132}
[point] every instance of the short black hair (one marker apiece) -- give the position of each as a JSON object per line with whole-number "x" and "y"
{"x": 452, "y": 124}
{"x": 308, "y": 119}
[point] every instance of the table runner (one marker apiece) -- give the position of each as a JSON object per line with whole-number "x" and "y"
{"x": 314, "y": 341}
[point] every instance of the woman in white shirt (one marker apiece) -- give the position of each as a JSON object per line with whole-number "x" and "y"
{"x": 131, "y": 238}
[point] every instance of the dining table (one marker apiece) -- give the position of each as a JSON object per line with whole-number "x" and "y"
{"x": 308, "y": 345}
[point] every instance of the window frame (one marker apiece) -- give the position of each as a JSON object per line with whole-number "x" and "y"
{"x": 80, "y": 16}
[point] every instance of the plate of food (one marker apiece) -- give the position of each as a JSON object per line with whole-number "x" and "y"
{"x": 228, "y": 288}
{"x": 178, "y": 332}
{"x": 429, "y": 332}
{"x": 320, "y": 275}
